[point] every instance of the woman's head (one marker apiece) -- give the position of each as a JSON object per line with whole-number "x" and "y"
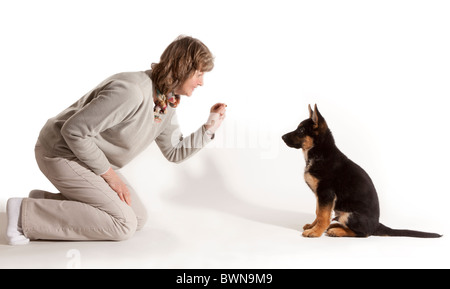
{"x": 185, "y": 58}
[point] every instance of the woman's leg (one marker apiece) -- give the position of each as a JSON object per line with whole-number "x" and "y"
{"x": 91, "y": 211}
{"x": 40, "y": 194}
{"x": 136, "y": 204}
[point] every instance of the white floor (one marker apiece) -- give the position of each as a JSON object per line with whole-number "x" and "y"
{"x": 203, "y": 220}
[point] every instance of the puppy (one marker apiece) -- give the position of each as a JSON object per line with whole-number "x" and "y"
{"x": 340, "y": 185}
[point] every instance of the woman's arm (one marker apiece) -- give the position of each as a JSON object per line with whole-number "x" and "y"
{"x": 177, "y": 148}
{"x": 112, "y": 105}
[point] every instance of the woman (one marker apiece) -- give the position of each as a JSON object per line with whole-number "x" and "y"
{"x": 81, "y": 148}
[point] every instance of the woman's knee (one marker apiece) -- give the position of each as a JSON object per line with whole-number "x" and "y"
{"x": 126, "y": 227}
{"x": 141, "y": 219}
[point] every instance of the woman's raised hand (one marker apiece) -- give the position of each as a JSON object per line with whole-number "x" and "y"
{"x": 216, "y": 116}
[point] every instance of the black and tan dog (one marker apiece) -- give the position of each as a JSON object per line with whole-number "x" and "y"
{"x": 340, "y": 185}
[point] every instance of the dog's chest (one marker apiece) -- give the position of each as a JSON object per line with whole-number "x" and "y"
{"x": 312, "y": 181}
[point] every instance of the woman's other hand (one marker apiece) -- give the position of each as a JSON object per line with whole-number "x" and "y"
{"x": 116, "y": 183}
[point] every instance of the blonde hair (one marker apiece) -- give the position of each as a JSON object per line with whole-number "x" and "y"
{"x": 179, "y": 61}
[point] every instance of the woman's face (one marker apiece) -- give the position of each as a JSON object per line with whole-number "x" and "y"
{"x": 187, "y": 88}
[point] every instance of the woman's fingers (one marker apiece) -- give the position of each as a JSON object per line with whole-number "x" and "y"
{"x": 125, "y": 197}
{"x": 219, "y": 108}
{"x": 117, "y": 185}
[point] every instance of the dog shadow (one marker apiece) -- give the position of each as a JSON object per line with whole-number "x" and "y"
{"x": 210, "y": 190}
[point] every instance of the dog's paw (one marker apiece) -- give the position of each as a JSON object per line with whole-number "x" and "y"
{"x": 335, "y": 232}
{"x": 312, "y": 233}
{"x": 308, "y": 227}
{"x": 340, "y": 232}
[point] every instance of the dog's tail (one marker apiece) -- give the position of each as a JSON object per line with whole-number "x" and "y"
{"x": 382, "y": 230}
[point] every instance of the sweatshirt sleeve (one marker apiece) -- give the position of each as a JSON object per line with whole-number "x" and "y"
{"x": 177, "y": 148}
{"x": 116, "y": 102}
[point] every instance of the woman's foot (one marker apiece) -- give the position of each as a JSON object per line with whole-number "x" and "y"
{"x": 14, "y": 232}
{"x": 39, "y": 194}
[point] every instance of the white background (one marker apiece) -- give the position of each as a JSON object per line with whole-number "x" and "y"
{"x": 378, "y": 70}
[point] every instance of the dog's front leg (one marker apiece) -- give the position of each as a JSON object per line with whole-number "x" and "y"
{"x": 310, "y": 226}
{"x": 323, "y": 219}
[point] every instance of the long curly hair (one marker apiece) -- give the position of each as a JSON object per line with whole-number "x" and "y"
{"x": 179, "y": 61}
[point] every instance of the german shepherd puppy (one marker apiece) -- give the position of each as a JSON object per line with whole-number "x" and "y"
{"x": 340, "y": 185}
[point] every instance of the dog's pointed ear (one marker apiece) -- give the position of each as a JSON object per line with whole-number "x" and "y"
{"x": 319, "y": 121}
{"x": 310, "y": 111}
{"x": 316, "y": 115}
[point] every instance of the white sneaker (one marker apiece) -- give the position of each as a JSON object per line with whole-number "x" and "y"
{"x": 14, "y": 232}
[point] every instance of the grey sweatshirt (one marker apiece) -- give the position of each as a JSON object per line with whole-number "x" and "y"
{"x": 113, "y": 123}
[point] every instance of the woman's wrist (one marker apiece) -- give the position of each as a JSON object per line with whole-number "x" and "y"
{"x": 108, "y": 174}
{"x": 208, "y": 132}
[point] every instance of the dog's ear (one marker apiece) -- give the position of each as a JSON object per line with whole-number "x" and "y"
{"x": 319, "y": 121}
{"x": 310, "y": 111}
{"x": 316, "y": 117}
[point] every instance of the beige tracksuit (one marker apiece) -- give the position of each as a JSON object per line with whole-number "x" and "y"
{"x": 107, "y": 127}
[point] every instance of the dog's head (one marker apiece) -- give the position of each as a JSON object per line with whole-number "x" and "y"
{"x": 309, "y": 132}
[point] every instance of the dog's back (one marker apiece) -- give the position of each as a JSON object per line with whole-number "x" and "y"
{"x": 340, "y": 185}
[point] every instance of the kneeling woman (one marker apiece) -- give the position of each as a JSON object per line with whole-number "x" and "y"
{"x": 80, "y": 149}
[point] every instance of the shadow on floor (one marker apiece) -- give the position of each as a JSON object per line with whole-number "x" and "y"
{"x": 210, "y": 191}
